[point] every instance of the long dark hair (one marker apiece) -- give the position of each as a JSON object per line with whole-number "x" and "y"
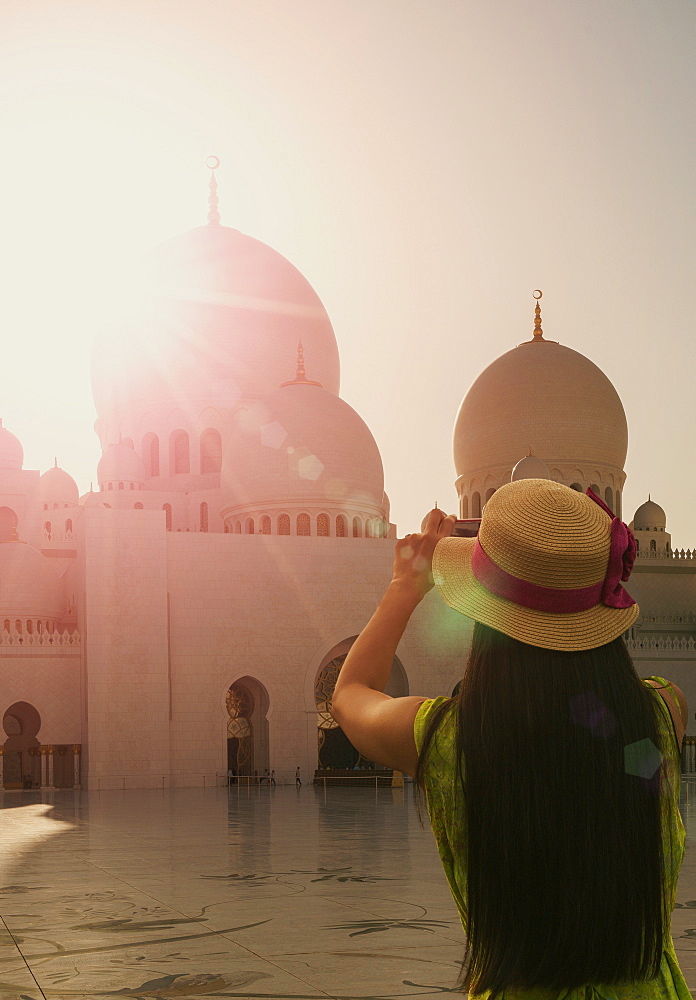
{"x": 562, "y": 842}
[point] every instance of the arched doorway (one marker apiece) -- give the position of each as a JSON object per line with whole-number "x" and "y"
{"x": 21, "y": 762}
{"x": 8, "y": 524}
{"x": 335, "y": 751}
{"x": 247, "y": 728}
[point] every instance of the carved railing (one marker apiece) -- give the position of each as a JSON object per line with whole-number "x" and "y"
{"x": 687, "y": 618}
{"x": 665, "y": 643}
{"x": 43, "y": 640}
{"x": 672, "y": 555}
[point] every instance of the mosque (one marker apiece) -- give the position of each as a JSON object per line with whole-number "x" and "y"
{"x": 191, "y": 615}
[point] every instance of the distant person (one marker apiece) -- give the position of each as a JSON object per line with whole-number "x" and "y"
{"x": 552, "y": 778}
{"x": 265, "y": 777}
{"x": 230, "y": 776}
{"x": 273, "y": 781}
{"x": 298, "y": 779}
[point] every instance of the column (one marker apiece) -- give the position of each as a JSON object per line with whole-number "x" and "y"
{"x": 50, "y": 750}
{"x": 2, "y": 769}
{"x": 77, "y": 750}
{"x": 42, "y": 751}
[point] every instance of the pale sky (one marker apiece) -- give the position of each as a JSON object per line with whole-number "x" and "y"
{"x": 425, "y": 163}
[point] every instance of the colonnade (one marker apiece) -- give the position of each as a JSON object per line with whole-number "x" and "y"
{"x": 47, "y": 753}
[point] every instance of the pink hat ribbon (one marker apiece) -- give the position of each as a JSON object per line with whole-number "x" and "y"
{"x": 559, "y": 600}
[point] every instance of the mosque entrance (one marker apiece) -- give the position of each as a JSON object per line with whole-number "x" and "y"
{"x": 335, "y": 751}
{"x": 247, "y": 728}
{"x": 8, "y": 524}
{"x": 21, "y": 762}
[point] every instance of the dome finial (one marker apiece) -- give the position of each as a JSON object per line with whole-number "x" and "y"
{"x": 538, "y": 332}
{"x": 55, "y": 461}
{"x": 213, "y": 162}
{"x": 301, "y": 374}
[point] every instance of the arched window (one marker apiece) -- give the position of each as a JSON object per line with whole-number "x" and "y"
{"x": 211, "y": 450}
{"x": 464, "y": 507}
{"x": 265, "y": 525}
{"x": 132, "y": 486}
{"x": 56, "y": 506}
{"x": 476, "y": 504}
{"x": 167, "y": 508}
{"x": 618, "y": 504}
{"x": 47, "y": 530}
{"x": 577, "y": 486}
{"x": 30, "y": 627}
{"x": 137, "y": 506}
{"x": 653, "y": 545}
{"x": 609, "y": 497}
{"x": 110, "y": 486}
{"x": 323, "y": 525}
{"x": 179, "y": 460}
{"x": 283, "y": 524}
{"x": 8, "y": 524}
{"x": 68, "y": 528}
{"x": 303, "y": 524}
{"x": 6, "y": 625}
{"x": 120, "y": 486}
{"x": 204, "y": 516}
{"x": 249, "y": 526}
{"x": 151, "y": 456}
{"x": 357, "y": 528}
{"x": 18, "y": 626}
{"x": 489, "y": 493}
{"x": 39, "y": 626}
{"x": 237, "y": 527}
{"x": 341, "y": 528}
{"x": 45, "y": 506}
{"x": 595, "y": 489}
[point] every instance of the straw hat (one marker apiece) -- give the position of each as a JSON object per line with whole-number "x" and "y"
{"x": 545, "y": 569}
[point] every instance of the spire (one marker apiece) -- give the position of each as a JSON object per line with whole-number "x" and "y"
{"x": 301, "y": 375}
{"x": 213, "y": 162}
{"x": 55, "y": 461}
{"x": 538, "y": 332}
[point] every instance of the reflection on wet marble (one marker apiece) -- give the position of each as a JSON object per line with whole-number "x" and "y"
{"x": 247, "y": 893}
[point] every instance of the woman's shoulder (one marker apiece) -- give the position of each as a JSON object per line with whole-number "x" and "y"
{"x": 433, "y": 712}
{"x": 675, "y": 701}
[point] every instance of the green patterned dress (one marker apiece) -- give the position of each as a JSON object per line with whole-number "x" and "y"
{"x": 441, "y": 802}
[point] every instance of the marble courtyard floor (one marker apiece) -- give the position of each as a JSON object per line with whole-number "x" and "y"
{"x": 255, "y": 893}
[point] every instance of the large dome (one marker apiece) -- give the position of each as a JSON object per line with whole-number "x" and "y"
{"x": 301, "y": 445}
{"x": 29, "y": 586}
{"x": 221, "y": 314}
{"x": 650, "y": 517}
{"x": 544, "y": 396}
{"x": 11, "y": 451}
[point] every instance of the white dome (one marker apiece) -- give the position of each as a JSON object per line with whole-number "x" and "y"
{"x": 119, "y": 463}
{"x": 57, "y": 486}
{"x": 546, "y": 395}
{"x": 301, "y": 445}
{"x": 529, "y": 467}
{"x": 224, "y": 311}
{"x": 650, "y": 517}
{"x": 11, "y": 451}
{"x": 29, "y": 586}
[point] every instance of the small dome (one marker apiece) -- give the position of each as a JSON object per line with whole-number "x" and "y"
{"x": 119, "y": 463}
{"x": 529, "y": 467}
{"x": 11, "y": 451}
{"x": 58, "y": 486}
{"x": 301, "y": 445}
{"x": 650, "y": 517}
{"x": 29, "y": 586}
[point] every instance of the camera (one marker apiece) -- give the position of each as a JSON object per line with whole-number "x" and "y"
{"x": 467, "y": 528}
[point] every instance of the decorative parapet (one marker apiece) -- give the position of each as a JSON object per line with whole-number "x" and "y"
{"x": 678, "y": 555}
{"x": 43, "y": 640}
{"x": 687, "y": 618}
{"x": 664, "y": 644}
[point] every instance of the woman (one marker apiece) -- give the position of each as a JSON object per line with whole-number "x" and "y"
{"x": 552, "y": 778}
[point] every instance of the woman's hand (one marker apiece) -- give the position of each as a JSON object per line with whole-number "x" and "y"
{"x": 413, "y": 558}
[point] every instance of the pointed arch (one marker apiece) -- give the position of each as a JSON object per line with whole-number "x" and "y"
{"x": 179, "y": 453}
